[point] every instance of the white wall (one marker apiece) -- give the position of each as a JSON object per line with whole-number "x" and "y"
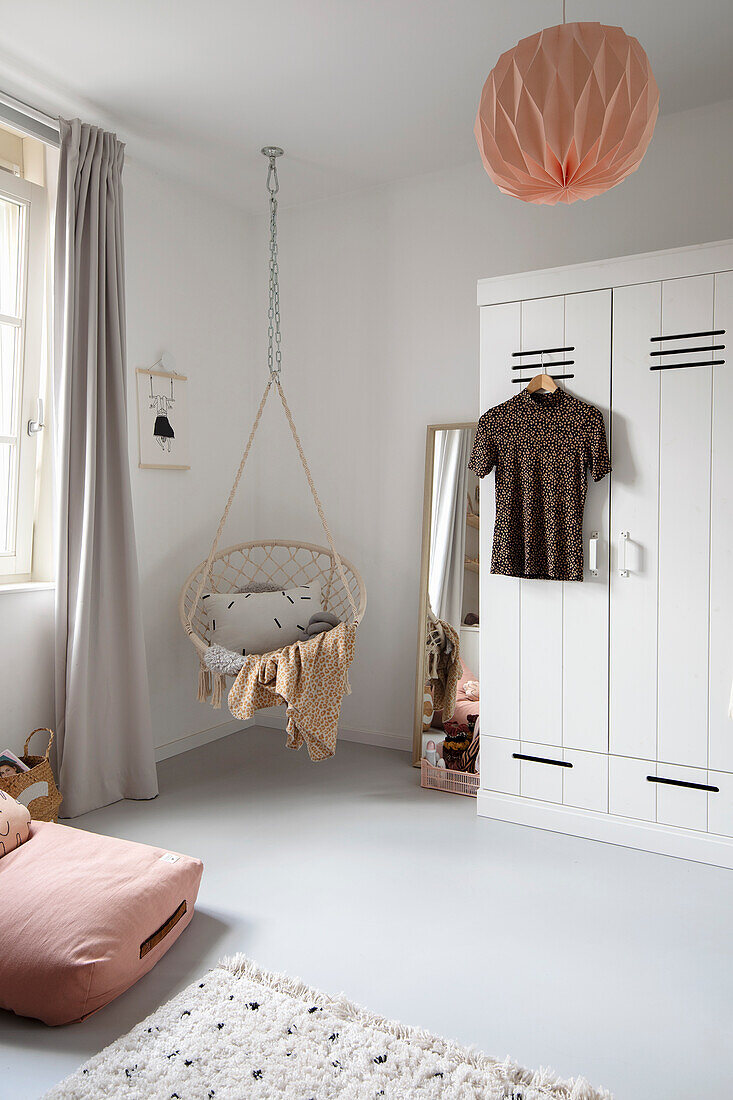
{"x": 26, "y": 666}
{"x": 381, "y": 339}
{"x": 188, "y": 294}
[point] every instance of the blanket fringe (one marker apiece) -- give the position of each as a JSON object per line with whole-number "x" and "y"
{"x": 217, "y": 691}
{"x": 524, "y": 1084}
{"x": 204, "y": 683}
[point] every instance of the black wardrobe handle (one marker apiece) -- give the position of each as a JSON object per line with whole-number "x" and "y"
{"x": 542, "y": 760}
{"x": 683, "y": 783}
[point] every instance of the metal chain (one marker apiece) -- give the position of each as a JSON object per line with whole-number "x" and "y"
{"x": 274, "y": 355}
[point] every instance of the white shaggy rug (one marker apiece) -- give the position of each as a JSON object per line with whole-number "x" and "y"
{"x": 241, "y": 1033}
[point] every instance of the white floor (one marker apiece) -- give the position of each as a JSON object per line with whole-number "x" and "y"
{"x": 586, "y": 957}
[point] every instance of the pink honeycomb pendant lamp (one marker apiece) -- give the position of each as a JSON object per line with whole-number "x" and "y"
{"x": 567, "y": 113}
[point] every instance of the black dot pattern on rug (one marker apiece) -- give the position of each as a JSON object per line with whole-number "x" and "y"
{"x": 254, "y": 1005}
{"x": 333, "y": 1036}
{"x": 380, "y": 1059}
{"x": 220, "y": 1026}
{"x": 257, "y": 1074}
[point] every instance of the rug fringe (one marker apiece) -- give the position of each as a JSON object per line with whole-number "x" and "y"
{"x": 576, "y": 1088}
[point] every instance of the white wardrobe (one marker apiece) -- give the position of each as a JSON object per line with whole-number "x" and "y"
{"x": 604, "y": 704}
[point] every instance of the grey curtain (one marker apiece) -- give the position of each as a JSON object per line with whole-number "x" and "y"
{"x": 448, "y": 525}
{"x": 103, "y": 726}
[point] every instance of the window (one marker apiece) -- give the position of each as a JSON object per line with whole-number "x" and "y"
{"x": 23, "y": 225}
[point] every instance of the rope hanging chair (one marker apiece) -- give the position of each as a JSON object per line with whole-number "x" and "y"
{"x": 272, "y": 563}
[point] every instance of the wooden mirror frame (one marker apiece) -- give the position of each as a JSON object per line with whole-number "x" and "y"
{"x": 417, "y": 730}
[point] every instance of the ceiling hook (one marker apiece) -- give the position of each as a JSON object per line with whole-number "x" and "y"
{"x": 272, "y": 152}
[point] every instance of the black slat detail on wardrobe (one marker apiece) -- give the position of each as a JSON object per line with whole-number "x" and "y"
{"x": 684, "y": 351}
{"x": 542, "y": 366}
{"x": 521, "y": 380}
{"x": 542, "y": 760}
{"x": 688, "y": 335}
{"x": 683, "y": 783}
{"x": 542, "y": 351}
{"x": 680, "y": 366}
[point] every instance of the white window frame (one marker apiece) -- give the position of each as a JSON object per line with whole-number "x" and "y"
{"x": 17, "y": 564}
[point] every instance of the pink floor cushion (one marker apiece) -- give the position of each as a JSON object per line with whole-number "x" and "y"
{"x": 83, "y": 916}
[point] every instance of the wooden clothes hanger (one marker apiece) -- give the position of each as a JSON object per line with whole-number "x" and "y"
{"x": 542, "y": 381}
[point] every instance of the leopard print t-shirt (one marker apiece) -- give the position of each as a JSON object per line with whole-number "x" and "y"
{"x": 542, "y": 446}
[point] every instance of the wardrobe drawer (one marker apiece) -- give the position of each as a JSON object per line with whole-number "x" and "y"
{"x": 585, "y": 784}
{"x": 682, "y": 797}
{"x": 540, "y": 771}
{"x": 629, "y": 792}
{"x": 499, "y": 768}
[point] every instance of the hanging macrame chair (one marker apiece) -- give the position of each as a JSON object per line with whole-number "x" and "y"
{"x": 272, "y": 563}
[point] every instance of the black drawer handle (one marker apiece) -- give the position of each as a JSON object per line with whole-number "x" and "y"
{"x": 542, "y": 760}
{"x": 683, "y": 783}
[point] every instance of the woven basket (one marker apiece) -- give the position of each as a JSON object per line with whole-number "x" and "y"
{"x": 443, "y": 779}
{"x": 45, "y": 805}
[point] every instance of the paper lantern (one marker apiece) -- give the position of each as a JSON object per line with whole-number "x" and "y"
{"x": 567, "y": 113}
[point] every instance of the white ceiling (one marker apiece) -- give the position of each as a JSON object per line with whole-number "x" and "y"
{"x": 358, "y": 92}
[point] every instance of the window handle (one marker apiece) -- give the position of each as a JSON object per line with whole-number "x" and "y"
{"x": 35, "y": 426}
{"x": 593, "y": 554}
{"x": 623, "y": 539}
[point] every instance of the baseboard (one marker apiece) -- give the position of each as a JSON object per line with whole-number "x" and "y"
{"x": 197, "y": 739}
{"x": 649, "y": 836}
{"x": 400, "y": 742}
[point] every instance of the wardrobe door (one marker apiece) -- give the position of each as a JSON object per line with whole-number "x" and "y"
{"x": 541, "y": 601}
{"x": 544, "y": 643}
{"x": 499, "y": 596}
{"x": 585, "y": 606}
{"x": 684, "y": 522}
{"x": 634, "y": 524}
{"x": 662, "y": 417}
{"x": 564, "y": 624}
{"x": 721, "y": 539}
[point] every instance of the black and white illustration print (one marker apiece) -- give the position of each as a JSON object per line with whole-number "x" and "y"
{"x": 163, "y": 419}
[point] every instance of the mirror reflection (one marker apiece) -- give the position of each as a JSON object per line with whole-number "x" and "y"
{"x": 447, "y": 687}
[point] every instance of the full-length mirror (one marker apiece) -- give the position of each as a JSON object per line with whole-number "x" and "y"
{"x": 447, "y": 690}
